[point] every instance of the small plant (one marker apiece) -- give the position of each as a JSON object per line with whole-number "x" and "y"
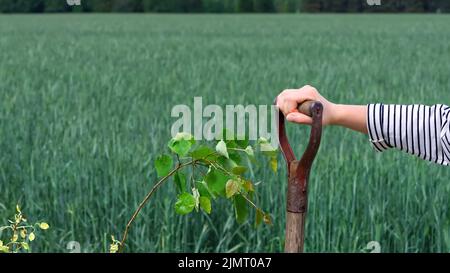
{"x": 21, "y": 233}
{"x": 213, "y": 173}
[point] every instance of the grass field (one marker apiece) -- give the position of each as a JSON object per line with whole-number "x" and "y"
{"x": 85, "y": 107}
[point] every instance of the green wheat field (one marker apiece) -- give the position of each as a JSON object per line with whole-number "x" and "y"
{"x": 85, "y": 105}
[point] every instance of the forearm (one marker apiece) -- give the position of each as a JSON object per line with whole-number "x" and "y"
{"x": 416, "y": 129}
{"x": 350, "y": 116}
{"x": 420, "y": 130}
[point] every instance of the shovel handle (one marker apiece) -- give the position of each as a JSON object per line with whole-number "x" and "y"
{"x": 306, "y": 107}
{"x": 298, "y": 174}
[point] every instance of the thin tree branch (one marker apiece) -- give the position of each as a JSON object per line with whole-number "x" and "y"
{"x": 145, "y": 200}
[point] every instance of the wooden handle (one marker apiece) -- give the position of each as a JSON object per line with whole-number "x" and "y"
{"x": 306, "y": 107}
{"x": 295, "y": 232}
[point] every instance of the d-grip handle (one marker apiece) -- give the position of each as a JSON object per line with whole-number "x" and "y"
{"x": 314, "y": 110}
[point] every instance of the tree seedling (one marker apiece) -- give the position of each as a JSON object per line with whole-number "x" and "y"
{"x": 202, "y": 174}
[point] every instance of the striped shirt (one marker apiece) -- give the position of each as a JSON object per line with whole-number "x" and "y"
{"x": 419, "y": 130}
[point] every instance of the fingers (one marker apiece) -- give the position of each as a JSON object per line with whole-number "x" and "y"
{"x": 284, "y": 101}
{"x": 302, "y": 94}
{"x": 299, "y": 118}
{"x": 289, "y": 99}
{"x": 309, "y": 91}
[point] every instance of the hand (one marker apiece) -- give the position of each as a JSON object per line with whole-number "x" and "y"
{"x": 289, "y": 99}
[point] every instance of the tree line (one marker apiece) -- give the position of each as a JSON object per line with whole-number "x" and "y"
{"x": 223, "y": 6}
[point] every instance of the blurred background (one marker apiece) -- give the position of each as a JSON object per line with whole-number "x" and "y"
{"x": 226, "y": 6}
{"x": 85, "y": 103}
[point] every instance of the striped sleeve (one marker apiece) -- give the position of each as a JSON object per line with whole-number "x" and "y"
{"x": 419, "y": 130}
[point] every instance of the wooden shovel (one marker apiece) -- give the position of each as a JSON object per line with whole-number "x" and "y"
{"x": 298, "y": 174}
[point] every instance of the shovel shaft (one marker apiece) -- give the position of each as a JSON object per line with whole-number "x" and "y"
{"x": 295, "y": 232}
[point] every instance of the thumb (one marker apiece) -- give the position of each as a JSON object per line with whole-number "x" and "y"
{"x": 298, "y": 118}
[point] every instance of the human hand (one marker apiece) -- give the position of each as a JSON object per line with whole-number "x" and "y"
{"x": 290, "y": 99}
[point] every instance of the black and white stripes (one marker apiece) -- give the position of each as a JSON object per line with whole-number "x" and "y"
{"x": 420, "y": 130}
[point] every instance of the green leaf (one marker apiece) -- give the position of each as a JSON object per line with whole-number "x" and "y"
{"x": 248, "y": 186}
{"x": 196, "y": 195}
{"x": 114, "y": 247}
{"x": 274, "y": 164}
{"x": 249, "y": 151}
{"x": 241, "y": 208}
{"x": 205, "y": 204}
{"x": 227, "y": 163}
{"x": 259, "y": 217}
{"x": 203, "y": 189}
{"x": 163, "y": 165}
{"x": 180, "y": 181}
{"x": 44, "y": 226}
{"x": 25, "y": 245}
{"x": 231, "y": 144}
{"x": 181, "y": 143}
{"x": 202, "y": 151}
{"x": 238, "y": 170}
{"x": 185, "y": 203}
{"x": 235, "y": 157}
{"x": 232, "y": 188}
{"x": 3, "y": 248}
{"x": 267, "y": 219}
{"x": 180, "y": 147}
{"x": 221, "y": 148}
{"x": 184, "y": 136}
{"x": 216, "y": 181}
{"x": 266, "y": 148}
